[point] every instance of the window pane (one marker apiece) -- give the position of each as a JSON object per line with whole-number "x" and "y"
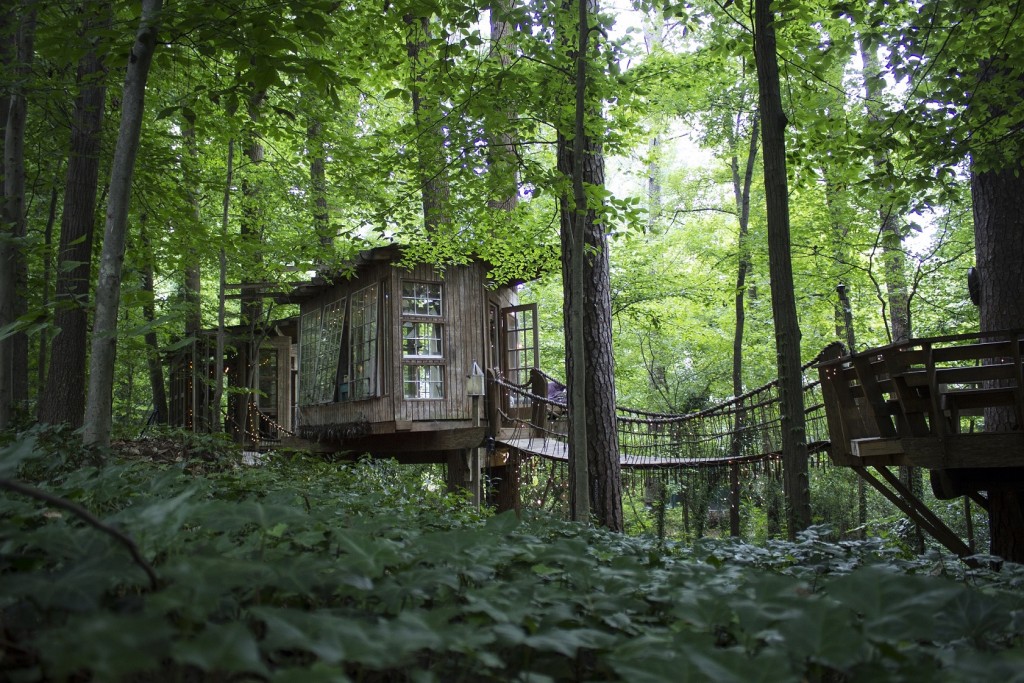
{"x": 268, "y": 382}
{"x": 423, "y": 381}
{"x": 332, "y": 324}
{"x": 364, "y": 343}
{"x": 309, "y": 342}
{"x": 421, "y": 298}
{"x": 421, "y": 340}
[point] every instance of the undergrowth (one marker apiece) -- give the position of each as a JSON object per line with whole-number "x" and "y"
{"x": 305, "y": 570}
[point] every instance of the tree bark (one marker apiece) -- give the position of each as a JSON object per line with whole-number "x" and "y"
{"x": 741, "y": 191}
{"x": 502, "y": 169}
{"x": 13, "y": 270}
{"x": 156, "y": 368}
{"x": 64, "y": 397}
{"x": 787, "y": 328}
{"x": 218, "y": 388}
{"x": 998, "y": 197}
{"x": 434, "y": 189}
{"x": 192, "y": 277}
{"x": 108, "y": 287}
{"x": 584, "y": 243}
{"x": 44, "y": 336}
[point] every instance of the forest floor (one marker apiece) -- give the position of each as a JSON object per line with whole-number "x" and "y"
{"x": 307, "y": 570}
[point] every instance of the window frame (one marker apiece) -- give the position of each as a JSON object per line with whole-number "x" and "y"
{"x": 417, "y": 308}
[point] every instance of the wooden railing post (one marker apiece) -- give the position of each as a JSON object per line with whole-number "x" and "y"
{"x": 539, "y": 388}
{"x": 493, "y": 404}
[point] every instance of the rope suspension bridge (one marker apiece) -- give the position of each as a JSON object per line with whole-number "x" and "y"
{"x": 742, "y": 430}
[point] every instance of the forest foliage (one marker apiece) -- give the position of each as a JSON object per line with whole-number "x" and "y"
{"x": 306, "y": 570}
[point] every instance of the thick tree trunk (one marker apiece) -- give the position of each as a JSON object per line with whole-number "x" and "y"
{"x": 598, "y": 366}
{"x": 430, "y": 150}
{"x": 999, "y": 247}
{"x": 583, "y": 239}
{"x": 108, "y": 287}
{"x": 63, "y": 400}
{"x": 503, "y": 164}
{"x": 741, "y": 191}
{"x": 13, "y": 271}
{"x": 787, "y": 328}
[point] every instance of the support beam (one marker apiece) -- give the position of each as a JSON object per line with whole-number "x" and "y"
{"x": 900, "y": 496}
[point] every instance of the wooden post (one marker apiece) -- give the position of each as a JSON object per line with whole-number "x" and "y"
{"x": 734, "y": 499}
{"x": 474, "y": 463}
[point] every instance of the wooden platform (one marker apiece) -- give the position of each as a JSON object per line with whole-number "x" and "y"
{"x": 925, "y": 403}
{"x": 918, "y": 403}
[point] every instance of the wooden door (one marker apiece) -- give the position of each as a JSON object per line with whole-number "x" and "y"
{"x": 519, "y": 353}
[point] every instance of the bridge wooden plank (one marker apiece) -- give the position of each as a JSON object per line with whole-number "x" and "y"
{"x": 554, "y": 449}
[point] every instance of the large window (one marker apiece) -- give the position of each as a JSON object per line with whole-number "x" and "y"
{"x": 423, "y": 366}
{"x": 362, "y": 380}
{"x": 309, "y": 344}
{"x": 320, "y": 345}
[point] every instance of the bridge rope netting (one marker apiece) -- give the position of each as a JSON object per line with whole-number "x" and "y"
{"x": 742, "y": 430}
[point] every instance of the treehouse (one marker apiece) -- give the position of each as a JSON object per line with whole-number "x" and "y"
{"x": 389, "y": 358}
{"x": 262, "y": 357}
{"x": 953, "y": 405}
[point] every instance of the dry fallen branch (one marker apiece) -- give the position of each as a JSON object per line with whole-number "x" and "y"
{"x": 88, "y": 517}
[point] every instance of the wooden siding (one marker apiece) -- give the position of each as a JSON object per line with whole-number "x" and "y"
{"x": 463, "y": 334}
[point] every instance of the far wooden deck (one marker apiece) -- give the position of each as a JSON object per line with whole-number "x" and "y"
{"x": 924, "y": 402}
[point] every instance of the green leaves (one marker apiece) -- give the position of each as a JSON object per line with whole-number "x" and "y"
{"x": 306, "y": 570}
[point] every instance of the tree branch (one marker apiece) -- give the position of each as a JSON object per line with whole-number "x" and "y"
{"x": 88, "y": 517}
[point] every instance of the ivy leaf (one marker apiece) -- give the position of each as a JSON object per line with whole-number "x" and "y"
{"x": 109, "y": 646}
{"x": 222, "y": 648}
{"x": 13, "y": 455}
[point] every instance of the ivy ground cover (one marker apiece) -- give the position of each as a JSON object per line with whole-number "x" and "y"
{"x": 305, "y": 570}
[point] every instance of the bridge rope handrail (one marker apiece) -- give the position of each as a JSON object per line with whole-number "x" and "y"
{"x": 740, "y": 402}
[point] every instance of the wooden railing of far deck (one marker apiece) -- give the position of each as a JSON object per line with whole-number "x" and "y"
{"x": 924, "y": 403}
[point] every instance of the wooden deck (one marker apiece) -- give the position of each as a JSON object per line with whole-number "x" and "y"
{"x": 924, "y": 402}
{"x": 919, "y": 402}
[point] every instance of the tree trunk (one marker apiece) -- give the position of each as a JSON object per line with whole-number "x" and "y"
{"x": 191, "y": 288}
{"x": 998, "y": 197}
{"x": 894, "y": 262}
{"x": 192, "y": 277}
{"x": 741, "y": 191}
{"x": 156, "y": 368}
{"x": 434, "y": 189}
{"x": 44, "y": 336}
{"x": 218, "y": 388}
{"x": 502, "y": 170}
{"x": 64, "y": 397}
{"x": 318, "y": 183}
{"x": 583, "y": 240}
{"x": 108, "y": 286}
{"x": 13, "y": 271}
{"x": 787, "y": 328}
